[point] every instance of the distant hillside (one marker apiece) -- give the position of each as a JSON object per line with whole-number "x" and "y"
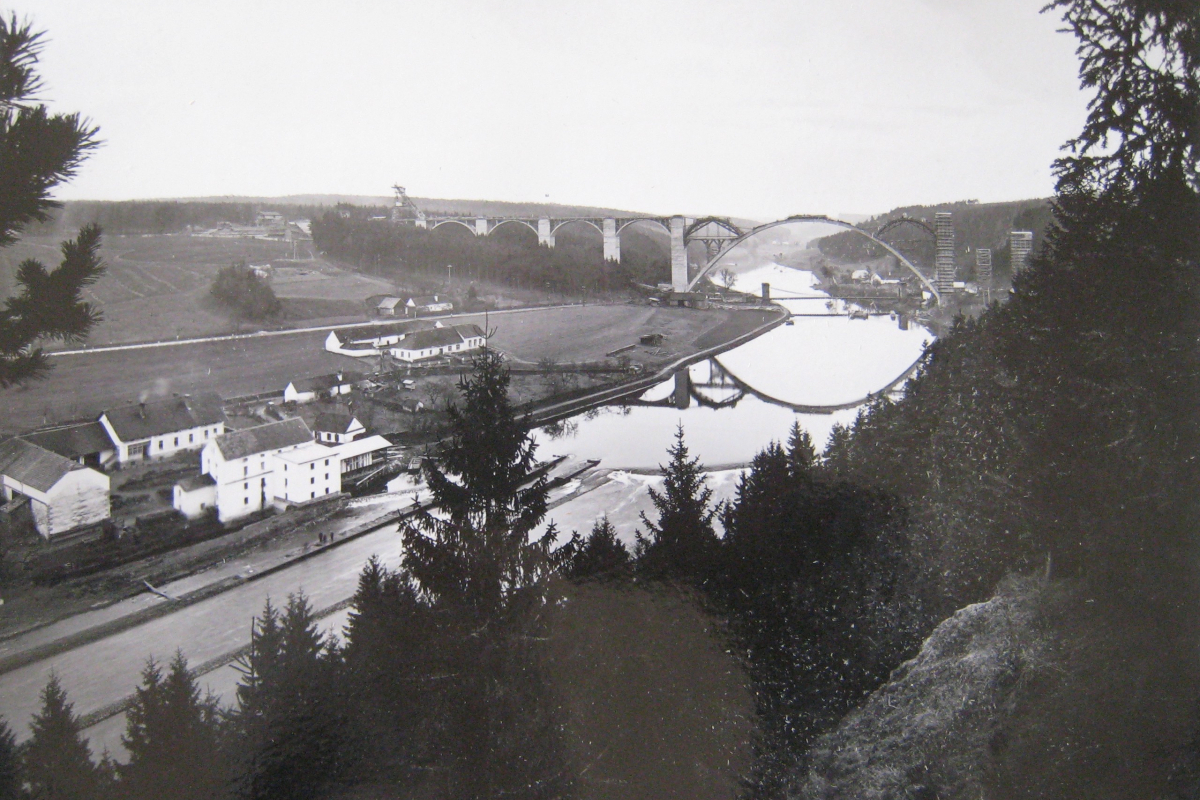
{"x": 976, "y": 225}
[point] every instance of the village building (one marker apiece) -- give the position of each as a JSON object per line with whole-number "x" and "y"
{"x": 388, "y": 305}
{"x": 305, "y": 473}
{"x": 359, "y": 455}
{"x": 160, "y": 429}
{"x": 305, "y": 390}
{"x": 63, "y": 495}
{"x": 337, "y": 427}
{"x": 372, "y": 340}
{"x": 87, "y": 443}
{"x": 427, "y": 304}
{"x": 438, "y": 342}
{"x": 242, "y": 467}
{"x": 194, "y": 497}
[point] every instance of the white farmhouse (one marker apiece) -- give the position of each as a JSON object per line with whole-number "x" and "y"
{"x": 242, "y": 466}
{"x": 333, "y": 427}
{"x": 305, "y": 390}
{"x": 156, "y": 430}
{"x": 373, "y": 340}
{"x": 63, "y": 494}
{"x": 427, "y": 304}
{"x": 442, "y": 341}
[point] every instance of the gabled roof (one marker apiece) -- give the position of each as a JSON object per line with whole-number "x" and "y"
{"x": 425, "y": 339}
{"x": 197, "y": 482}
{"x": 32, "y": 465}
{"x": 424, "y": 300}
{"x": 73, "y": 441}
{"x": 334, "y": 422}
{"x": 262, "y": 438}
{"x": 389, "y": 302}
{"x": 323, "y": 382}
{"x": 144, "y": 420}
{"x": 369, "y": 333}
{"x": 467, "y": 331}
{"x": 359, "y": 446}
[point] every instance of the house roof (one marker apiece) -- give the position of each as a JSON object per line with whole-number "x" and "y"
{"x": 321, "y": 382}
{"x": 144, "y": 420}
{"x": 197, "y": 482}
{"x": 73, "y": 441}
{"x": 389, "y": 302}
{"x": 423, "y": 340}
{"x": 261, "y": 438}
{"x": 360, "y": 446}
{"x": 33, "y": 465}
{"x": 369, "y": 333}
{"x": 424, "y": 300}
{"x": 313, "y": 451}
{"x": 467, "y": 331}
{"x": 334, "y": 422}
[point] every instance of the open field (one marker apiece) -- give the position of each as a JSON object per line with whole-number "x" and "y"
{"x": 156, "y": 286}
{"x": 82, "y": 385}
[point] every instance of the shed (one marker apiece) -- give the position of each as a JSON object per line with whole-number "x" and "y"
{"x": 63, "y": 494}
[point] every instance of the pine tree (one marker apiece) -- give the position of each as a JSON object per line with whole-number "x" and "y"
{"x": 10, "y": 764}
{"x": 171, "y": 736}
{"x": 39, "y": 150}
{"x": 479, "y": 553}
{"x": 58, "y": 762}
{"x": 601, "y": 555}
{"x": 681, "y": 544}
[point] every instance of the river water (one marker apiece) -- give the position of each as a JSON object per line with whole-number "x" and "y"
{"x": 730, "y": 407}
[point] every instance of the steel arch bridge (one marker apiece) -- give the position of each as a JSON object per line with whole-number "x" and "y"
{"x": 816, "y": 218}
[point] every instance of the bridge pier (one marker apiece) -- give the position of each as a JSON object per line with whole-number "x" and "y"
{"x": 683, "y": 394}
{"x": 481, "y": 227}
{"x": 612, "y": 241}
{"x": 679, "y": 268}
{"x": 545, "y": 232}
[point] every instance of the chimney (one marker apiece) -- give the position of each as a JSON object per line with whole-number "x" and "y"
{"x": 142, "y": 410}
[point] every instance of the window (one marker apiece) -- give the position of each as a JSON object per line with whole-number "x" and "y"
{"x": 246, "y": 485}
{"x": 245, "y": 471}
{"x": 313, "y": 465}
{"x": 176, "y": 442}
{"x": 312, "y": 480}
{"x": 313, "y": 495}
{"x": 326, "y": 476}
{"x": 161, "y": 444}
{"x": 326, "y": 490}
{"x": 206, "y": 433}
{"x": 285, "y": 483}
{"x": 245, "y": 501}
{"x": 327, "y": 462}
{"x": 191, "y": 438}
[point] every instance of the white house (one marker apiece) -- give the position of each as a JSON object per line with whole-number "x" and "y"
{"x": 194, "y": 496}
{"x": 371, "y": 341}
{"x": 305, "y": 473}
{"x": 305, "y": 390}
{"x": 337, "y": 428}
{"x": 242, "y": 466}
{"x": 361, "y": 454}
{"x": 426, "y": 304}
{"x": 439, "y": 342}
{"x": 63, "y": 494}
{"x": 156, "y": 430}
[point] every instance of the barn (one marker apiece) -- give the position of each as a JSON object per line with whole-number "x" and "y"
{"x": 63, "y": 494}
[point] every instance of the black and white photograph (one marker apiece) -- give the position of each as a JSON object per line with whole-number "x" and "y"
{"x": 610, "y": 400}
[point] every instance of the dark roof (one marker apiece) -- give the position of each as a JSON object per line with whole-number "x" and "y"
{"x": 261, "y": 438}
{"x": 439, "y": 337}
{"x": 197, "y": 482}
{"x": 469, "y": 330}
{"x": 73, "y": 441}
{"x": 322, "y": 382}
{"x": 142, "y": 421}
{"x": 32, "y": 465}
{"x": 332, "y": 422}
{"x": 372, "y": 332}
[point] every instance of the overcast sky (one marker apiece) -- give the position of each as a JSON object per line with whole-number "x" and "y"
{"x": 757, "y": 109}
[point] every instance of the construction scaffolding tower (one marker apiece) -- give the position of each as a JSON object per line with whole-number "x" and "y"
{"x": 944, "y": 233}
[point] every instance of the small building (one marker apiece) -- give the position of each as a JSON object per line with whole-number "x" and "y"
{"x": 63, "y": 494}
{"x": 306, "y": 473}
{"x": 241, "y": 464}
{"x": 157, "y": 430}
{"x": 87, "y": 444}
{"x": 388, "y": 305}
{"x": 438, "y": 342}
{"x": 196, "y": 496}
{"x": 860, "y": 276}
{"x": 427, "y": 304}
{"x": 334, "y": 427}
{"x": 373, "y": 340}
{"x": 362, "y": 454}
{"x": 305, "y": 390}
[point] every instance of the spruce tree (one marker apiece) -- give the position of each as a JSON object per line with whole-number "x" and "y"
{"x": 600, "y": 556}
{"x": 10, "y": 764}
{"x": 681, "y": 544}
{"x": 58, "y": 762}
{"x": 171, "y": 736}
{"x": 39, "y": 150}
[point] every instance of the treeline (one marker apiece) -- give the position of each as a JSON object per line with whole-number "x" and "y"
{"x": 509, "y": 256}
{"x": 976, "y": 225}
{"x": 161, "y": 216}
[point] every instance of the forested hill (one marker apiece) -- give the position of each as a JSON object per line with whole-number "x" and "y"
{"x": 173, "y": 215}
{"x": 975, "y": 225}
